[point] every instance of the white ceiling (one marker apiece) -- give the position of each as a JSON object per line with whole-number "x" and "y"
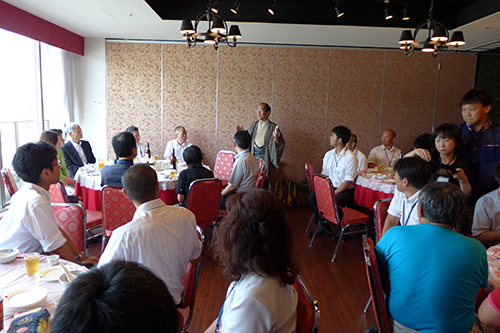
{"x": 134, "y": 19}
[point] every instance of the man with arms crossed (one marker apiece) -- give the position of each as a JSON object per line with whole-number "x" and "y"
{"x": 434, "y": 273}
{"x": 162, "y": 238}
{"x": 29, "y": 225}
{"x": 267, "y": 143}
{"x": 410, "y": 175}
{"x": 245, "y": 168}
{"x": 178, "y": 145}
{"x": 77, "y": 152}
{"x": 340, "y": 165}
{"x": 386, "y": 154}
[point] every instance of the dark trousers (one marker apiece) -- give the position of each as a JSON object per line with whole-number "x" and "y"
{"x": 344, "y": 198}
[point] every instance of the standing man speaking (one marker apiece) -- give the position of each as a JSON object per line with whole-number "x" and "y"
{"x": 267, "y": 143}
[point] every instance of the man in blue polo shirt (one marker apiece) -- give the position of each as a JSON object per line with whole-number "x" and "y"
{"x": 125, "y": 150}
{"x": 481, "y": 141}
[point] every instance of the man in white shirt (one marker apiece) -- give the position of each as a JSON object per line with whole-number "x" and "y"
{"x": 386, "y": 154}
{"x": 162, "y": 238}
{"x": 178, "y": 145}
{"x": 341, "y": 166}
{"x": 141, "y": 147}
{"x": 29, "y": 225}
{"x": 245, "y": 168}
{"x": 410, "y": 174}
{"x": 486, "y": 224}
{"x": 352, "y": 145}
{"x": 77, "y": 152}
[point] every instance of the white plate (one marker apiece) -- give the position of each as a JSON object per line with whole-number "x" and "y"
{"x": 51, "y": 273}
{"x": 8, "y": 255}
{"x": 25, "y": 298}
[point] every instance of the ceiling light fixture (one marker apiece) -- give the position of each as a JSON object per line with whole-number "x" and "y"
{"x": 337, "y": 9}
{"x": 216, "y": 32}
{"x": 406, "y": 12}
{"x": 388, "y": 15}
{"x": 236, "y": 7}
{"x": 273, "y": 7}
{"x": 215, "y": 7}
{"x": 437, "y": 37}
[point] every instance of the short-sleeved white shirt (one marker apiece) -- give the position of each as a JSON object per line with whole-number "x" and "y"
{"x": 405, "y": 209}
{"x": 381, "y": 156}
{"x": 361, "y": 160}
{"x": 245, "y": 171}
{"x": 179, "y": 149}
{"x": 162, "y": 238}
{"x": 487, "y": 213}
{"x": 258, "y": 304}
{"x": 340, "y": 167}
{"x": 29, "y": 225}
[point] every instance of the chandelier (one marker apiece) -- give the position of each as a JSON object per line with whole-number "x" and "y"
{"x": 437, "y": 37}
{"x": 216, "y": 32}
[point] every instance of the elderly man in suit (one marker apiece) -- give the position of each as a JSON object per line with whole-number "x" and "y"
{"x": 77, "y": 152}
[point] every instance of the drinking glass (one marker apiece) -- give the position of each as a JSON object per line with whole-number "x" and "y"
{"x": 172, "y": 174}
{"x": 32, "y": 262}
{"x": 101, "y": 163}
{"x": 156, "y": 158}
{"x": 380, "y": 168}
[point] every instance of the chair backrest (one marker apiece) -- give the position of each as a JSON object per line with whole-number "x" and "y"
{"x": 190, "y": 283}
{"x": 380, "y": 214}
{"x": 58, "y": 193}
{"x": 325, "y": 197}
{"x": 73, "y": 220}
{"x": 307, "y": 308}
{"x": 261, "y": 179}
{"x": 117, "y": 210}
{"x": 375, "y": 285}
{"x": 9, "y": 181}
{"x": 310, "y": 175}
{"x": 262, "y": 165}
{"x": 224, "y": 164}
{"x": 203, "y": 200}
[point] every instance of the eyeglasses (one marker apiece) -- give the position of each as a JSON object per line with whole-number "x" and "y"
{"x": 58, "y": 163}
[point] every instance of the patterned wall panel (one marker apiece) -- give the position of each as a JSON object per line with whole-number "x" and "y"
{"x": 300, "y": 91}
{"x": 189, "y": 87}
{"x": 355, "y": 94}
{"x": 456, "y": 77}
{"x": 409, "y": 95}
{"x": 245, "y": 80}
{"x": 134, "y": 91}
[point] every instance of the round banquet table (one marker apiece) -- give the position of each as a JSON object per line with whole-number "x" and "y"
{"x": 13, "y": 276}
{"x": 88, "y": 186}
{"x": 493, "y": 255}
{"x": 368, "y": 189}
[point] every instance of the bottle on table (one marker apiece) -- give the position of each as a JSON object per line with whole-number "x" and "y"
{"x": 148, "y": 151}
{"x": 173, "y": 160}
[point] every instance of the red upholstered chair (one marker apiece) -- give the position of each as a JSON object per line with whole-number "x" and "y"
{"x": 203, "y": 200}
{"x": 9, "y": 181}
{"x": 117, "y": 210}
{"x": 261, "y": 179}
{"x": 58, "y": 195}
{"x": 328, "y": 209}
{"x": 190, "y": 283}
{"x": 375, "y": 284}
{"x": 262, "y": 165}
{"x": 310, "y": 181}
{"x": 307, "y": 308}
{"x": 380, "y": 214}
{"x": 224, "y": 165}
{"x": 71, "y": 218}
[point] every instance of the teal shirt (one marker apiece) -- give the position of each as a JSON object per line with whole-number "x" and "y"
{"x": 434, "y": 276}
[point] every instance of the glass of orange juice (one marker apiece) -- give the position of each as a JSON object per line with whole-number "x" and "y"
{"x": 101, "y": 163}
{"x": 380, "y": 168}
{"x": 156, "y": 157}
{"x": 172, "y": 174}
{"x": 32, "y": 262}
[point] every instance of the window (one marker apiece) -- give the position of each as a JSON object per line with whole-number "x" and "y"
{"x": 33, "y": 94}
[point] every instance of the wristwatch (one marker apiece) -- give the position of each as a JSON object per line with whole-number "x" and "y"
{"x": 79, "y": 257}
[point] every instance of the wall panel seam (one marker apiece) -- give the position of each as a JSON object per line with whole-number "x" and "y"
{"x": 327, "y": 99}
{"x": 272, "y": 83}
{"x": 217, "y": 102}
{"x": 161, "y": 99}
{"x": 382, "y": 97}
{"x": 437, "y": 92}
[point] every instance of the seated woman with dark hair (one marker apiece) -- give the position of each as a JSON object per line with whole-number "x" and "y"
{"x": 254, "y": 244}
{"x": 193, "y": 158}
{"x": 447, "y": 165}
{"x": 54, "y": 136}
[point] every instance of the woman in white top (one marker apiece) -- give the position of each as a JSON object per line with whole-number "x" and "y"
{"x": 254, "y": 244}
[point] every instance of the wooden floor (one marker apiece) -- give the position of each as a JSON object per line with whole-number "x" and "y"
{"x": 340, "y": 287}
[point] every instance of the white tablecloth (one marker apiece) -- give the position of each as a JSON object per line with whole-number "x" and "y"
{"x": 367, "y": 181}
{"x": 92, "y": 180}
{"x": 493, "y": 254}
{"x": 13, "y": 276}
